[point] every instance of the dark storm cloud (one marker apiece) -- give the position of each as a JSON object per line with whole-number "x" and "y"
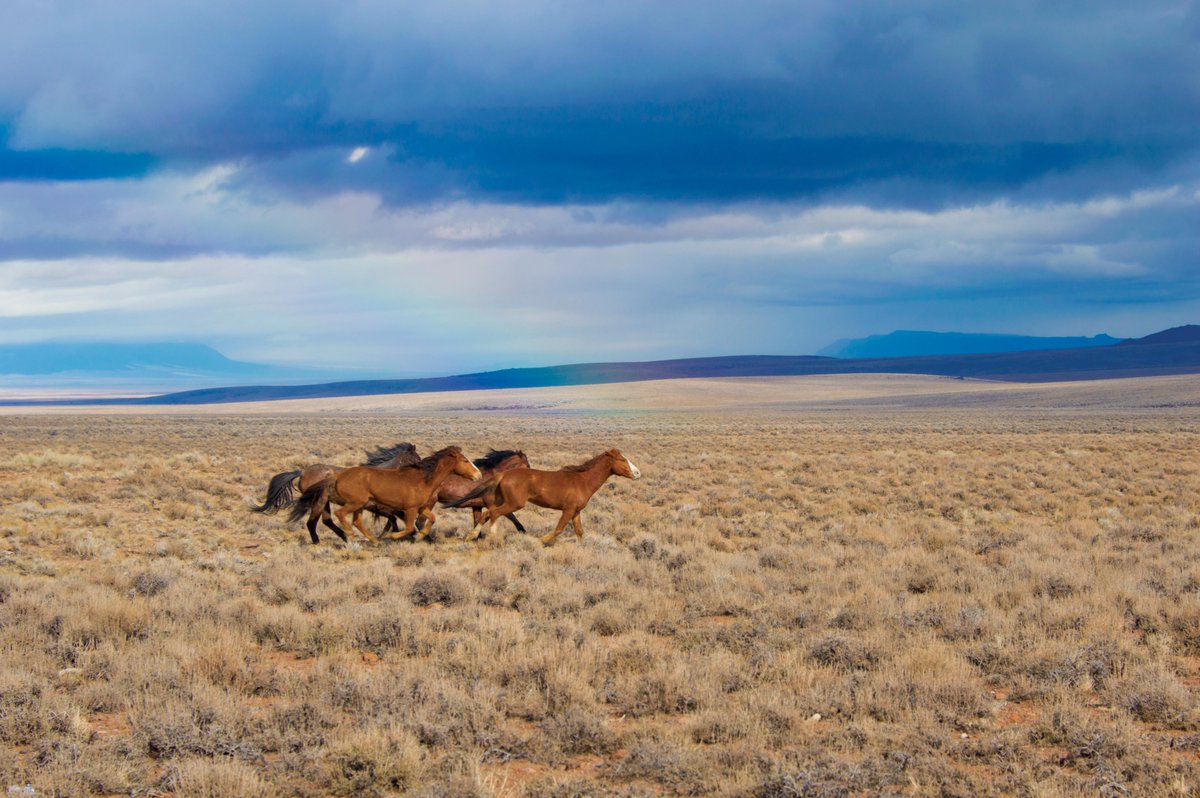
{"x": 70, "y": 165}
{"x": 925, "y": 104}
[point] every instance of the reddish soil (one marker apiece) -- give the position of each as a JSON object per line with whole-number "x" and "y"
{"x": 109, "y": 724}
{"x": 1015, "y": 713}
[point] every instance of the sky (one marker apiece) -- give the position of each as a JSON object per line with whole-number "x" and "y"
{"x": 440, "y": 188}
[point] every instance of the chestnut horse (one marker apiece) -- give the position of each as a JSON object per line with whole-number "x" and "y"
{"x": 413, "y": 489}
{"x": 568, "y": 489}
{"x": 455, "y": 487}
{"x": 280, "y": 490}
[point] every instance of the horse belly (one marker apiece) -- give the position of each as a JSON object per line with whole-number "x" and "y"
{"x": 398, "y": 498}
{"x": 548, "y": 493}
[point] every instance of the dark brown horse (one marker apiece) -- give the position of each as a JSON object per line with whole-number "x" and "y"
{"x": 282, "y": 487}
{"x": 568, "y": 489}
{"x": 456, "y": 487}
{"x": 411, "y": 489}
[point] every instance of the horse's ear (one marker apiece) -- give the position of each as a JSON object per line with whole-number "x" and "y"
{"x": 614, "y": 454}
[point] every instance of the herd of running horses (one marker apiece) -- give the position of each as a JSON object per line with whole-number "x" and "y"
{"x": 396, "y": 482}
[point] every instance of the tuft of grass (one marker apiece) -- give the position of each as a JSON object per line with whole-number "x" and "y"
{"x": 438, "y": 587}
{"x": 215, "y": 778}
{"x": 373, "y": 762}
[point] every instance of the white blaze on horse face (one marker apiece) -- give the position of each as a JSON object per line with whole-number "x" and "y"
{"x": 632, "y": 468}
{"x": 478, "y": 474}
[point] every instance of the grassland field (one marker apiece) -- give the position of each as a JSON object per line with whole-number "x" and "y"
{"x": 822, "y": 588}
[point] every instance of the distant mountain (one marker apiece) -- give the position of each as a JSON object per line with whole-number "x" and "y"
{"x": 57, "y": 358}
{"x": 918, "y": 343}
{"x": 1187, "y": 334}
{"x": 1169, "y": 352}
{"x": 543, "y": 377}
{"x": 154, "y": 367}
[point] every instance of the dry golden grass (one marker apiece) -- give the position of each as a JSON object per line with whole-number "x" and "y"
{"x": 822, "y": 603}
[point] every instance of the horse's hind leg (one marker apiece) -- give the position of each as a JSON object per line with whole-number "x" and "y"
{"x": 513, "y": 517}
{"x": 489, "y": 520}
{"x": 320, "y": 508}
{"x": 490, "y": 498}
{"x": 578, "y": 522}
{"x": 327, "y": 519}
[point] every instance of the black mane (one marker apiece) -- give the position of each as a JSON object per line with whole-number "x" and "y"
{"x": 494, "y": 458}
{"x": 383, "y": 454}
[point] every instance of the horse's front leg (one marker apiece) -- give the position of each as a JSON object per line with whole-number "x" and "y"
{"x": 361, "y": 527}
{"x": 567, "y": 515}
{"x": 400, "y": 534}
{"x": 429, "y": 516}
{"x": 483, "y": 516}
{"x": 490, "y": 516}
{"x": 343, "y": 515}
{"x": 410, "y": 520}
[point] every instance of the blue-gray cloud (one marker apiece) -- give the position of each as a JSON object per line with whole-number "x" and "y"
{"x": 586, "y": 181}
{"x": 919, "y": 105}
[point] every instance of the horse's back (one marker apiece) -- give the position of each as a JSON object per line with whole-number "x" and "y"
{"x": 543, "y": 488}
{"x": 318, "y": 472}
{"x": 392, "y": 487}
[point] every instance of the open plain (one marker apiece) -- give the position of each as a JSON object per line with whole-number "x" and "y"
{"x": 827, "y": 586}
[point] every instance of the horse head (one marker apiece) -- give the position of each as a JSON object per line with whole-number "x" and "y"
{"x": 623, "y": 466}
{"x": 462, "y": 466}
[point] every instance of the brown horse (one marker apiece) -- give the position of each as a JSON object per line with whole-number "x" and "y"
{"x": 568, "y": 489}
{"x": 281, "y": 489}
{"x": 455, "y": 487}
{"x": 413, "y": 489}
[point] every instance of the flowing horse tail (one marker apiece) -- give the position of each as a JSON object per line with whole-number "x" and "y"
{"x": 484, "y": 487}
{"x": 280, "y": 493}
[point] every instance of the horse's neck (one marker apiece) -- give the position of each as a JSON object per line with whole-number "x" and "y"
{"x": 500, "y": 468}
{"x": 597, "y": 475}
{"x": 440, "y": 472}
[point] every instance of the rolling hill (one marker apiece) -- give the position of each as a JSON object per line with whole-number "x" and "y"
{"x": 920, "y": 343}
{"x": 1175, "y": 351}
